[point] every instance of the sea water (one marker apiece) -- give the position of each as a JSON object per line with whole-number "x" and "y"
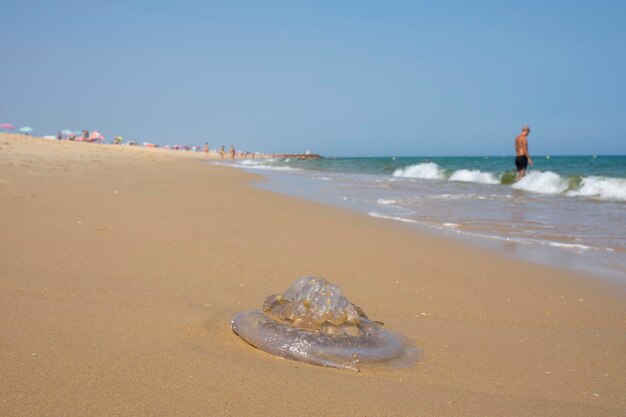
{"x": 568, "y": 210}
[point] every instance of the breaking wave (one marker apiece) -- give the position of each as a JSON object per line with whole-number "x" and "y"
{"x": 543, "y": 182}
{"x": 601, "y": 187}
{"x": 474, "y": 175}
{"x": 432, "y": 171}
{"x": 426, "y": 171}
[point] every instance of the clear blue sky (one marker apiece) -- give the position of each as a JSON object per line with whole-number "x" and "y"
{"x": 335, "y": 77}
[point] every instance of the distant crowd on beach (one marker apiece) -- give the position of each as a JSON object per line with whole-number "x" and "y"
{"x": 95, "y": 136}
{"x": 232, "y": 153}
{"x": 84, "y": 136}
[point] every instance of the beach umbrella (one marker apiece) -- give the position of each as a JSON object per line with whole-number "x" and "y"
{"x": 7, "y": 126}
{"x": 26, "y": 129}
{"x": 96, "y": 135}
{"x": 67, "y": 133}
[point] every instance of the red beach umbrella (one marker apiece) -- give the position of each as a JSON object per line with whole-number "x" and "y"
{"x": 96, "y": 135}
{"x": 7, "y": 126}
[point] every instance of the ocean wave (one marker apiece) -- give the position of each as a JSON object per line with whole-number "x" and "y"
{"x": 385, "y": 201}
{"x": 602, "y": 188}
{"x": 425, "y": 170}
{"x": 536, "y": 181}
{"x": 432, "y": 171}
{"x": 252, "y": 162}
{"x": 546, "y": 182}
{"x": 474, "y": 175}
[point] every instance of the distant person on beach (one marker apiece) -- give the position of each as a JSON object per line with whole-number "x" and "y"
{"x": 522, "y": 158}
{"x": 222, "y": 152}
{"x": 232, "y": 152}
{"x": 59, "y": 136}
{"x": 206, "y": 147}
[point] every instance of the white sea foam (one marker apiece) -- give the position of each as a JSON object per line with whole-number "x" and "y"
{"x": 570, "y": 246}
{"x": 426, "y": 170}
{"x": 385, "y": 201}
{"x": 452, "y": 225}
{"x": 601, "y": 187}
{"x": 251, "y": 162}
{"x": 453, "y": 197}
{"x": 546, "y": 182}
{"x": 385, "y": 216}
{"x": 266, "y": 167}
{"x": 474, "y": 175}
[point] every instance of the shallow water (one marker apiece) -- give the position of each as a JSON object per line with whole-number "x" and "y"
{"x": 572, "y": 213}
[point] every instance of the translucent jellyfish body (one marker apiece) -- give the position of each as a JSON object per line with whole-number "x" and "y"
{"x": 313, "y": 322}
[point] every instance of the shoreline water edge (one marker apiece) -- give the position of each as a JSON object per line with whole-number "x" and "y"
{"x": 568, "y": 214}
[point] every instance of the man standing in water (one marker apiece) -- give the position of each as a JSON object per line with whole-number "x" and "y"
{"x": 522, "y": 158}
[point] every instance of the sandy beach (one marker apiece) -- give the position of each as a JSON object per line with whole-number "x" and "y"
{"x": 121, "y": 267}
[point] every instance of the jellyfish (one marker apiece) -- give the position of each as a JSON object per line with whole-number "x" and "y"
{"x": 313, "y": 322}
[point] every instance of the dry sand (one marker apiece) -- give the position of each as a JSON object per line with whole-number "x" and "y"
{"x": 121, "y": 267}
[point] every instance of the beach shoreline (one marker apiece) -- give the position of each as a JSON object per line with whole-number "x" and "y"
{"x": 571, "y": 231}
{"x": 121, "y": 268}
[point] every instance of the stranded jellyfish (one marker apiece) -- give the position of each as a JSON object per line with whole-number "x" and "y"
{"x": 314, "y": 322}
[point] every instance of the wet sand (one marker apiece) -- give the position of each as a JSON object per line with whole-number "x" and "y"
{"x": 121, "y": 267}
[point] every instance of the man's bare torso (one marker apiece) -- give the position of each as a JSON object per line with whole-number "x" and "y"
{"x": 521, "y": 145}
